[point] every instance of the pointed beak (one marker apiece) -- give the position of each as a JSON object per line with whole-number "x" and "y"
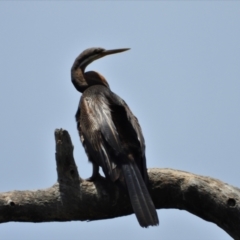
{"x": 113, "y": 51}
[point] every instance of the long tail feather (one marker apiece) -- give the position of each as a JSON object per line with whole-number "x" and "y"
{"x": 141, "y": 201}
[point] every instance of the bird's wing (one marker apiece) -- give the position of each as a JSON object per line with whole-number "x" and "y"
{"x": 128, "y": 124}
{"x": 117, "y": 101}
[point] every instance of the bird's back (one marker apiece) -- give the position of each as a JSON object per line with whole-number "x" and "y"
{"x": 109, "y": 131}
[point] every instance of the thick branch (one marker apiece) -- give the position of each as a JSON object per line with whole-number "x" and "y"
{"x": 72, "y": 198}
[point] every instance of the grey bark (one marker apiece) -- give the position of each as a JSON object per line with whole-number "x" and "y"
{"x": 73, "y": 198}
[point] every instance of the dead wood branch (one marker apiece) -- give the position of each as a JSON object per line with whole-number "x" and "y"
{"x": 73, "y": 198}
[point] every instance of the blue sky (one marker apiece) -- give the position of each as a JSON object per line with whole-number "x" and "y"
{"x": 180, "y": 78}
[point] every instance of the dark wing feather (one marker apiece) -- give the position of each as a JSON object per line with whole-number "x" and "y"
{"x": 116, "y": 100}
{"x": 131, "y": 125}
{"x": 107, "y": 126}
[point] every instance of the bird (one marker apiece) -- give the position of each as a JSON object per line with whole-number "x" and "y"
{"x": 111, "y": 135}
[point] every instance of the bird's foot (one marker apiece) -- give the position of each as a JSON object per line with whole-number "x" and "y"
{"x": 94, "y": 177}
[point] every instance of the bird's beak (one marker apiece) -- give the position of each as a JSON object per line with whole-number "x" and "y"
{"x": 113, "y": 51}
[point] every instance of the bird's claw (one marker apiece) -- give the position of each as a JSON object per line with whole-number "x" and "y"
{"x": 94, "y": 178}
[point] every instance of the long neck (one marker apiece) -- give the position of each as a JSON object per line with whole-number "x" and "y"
{"x": 82, "y": 80}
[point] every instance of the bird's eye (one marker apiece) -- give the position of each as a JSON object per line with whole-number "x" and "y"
{"x": 97, "y": 50}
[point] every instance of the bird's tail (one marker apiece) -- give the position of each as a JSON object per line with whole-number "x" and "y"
{"x": 141, "y": 201}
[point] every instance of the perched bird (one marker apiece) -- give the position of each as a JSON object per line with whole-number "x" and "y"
{"x": 111, "y": 135}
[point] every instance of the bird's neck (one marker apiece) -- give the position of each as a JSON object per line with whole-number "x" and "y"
{"x": 82, "y": 80}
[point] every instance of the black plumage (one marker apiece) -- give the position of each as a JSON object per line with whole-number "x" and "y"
{"x": 111, "y": 135}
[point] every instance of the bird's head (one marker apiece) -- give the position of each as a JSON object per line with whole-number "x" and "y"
{"x": 81, "y": 80}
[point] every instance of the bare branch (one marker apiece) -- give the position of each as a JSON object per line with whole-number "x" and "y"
{"x": 73, "y": 198}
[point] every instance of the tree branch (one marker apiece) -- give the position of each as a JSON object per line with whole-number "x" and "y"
{"x": 73, "y": 198}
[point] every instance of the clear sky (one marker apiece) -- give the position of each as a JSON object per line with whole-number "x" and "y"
{"x": 181, "y": 78}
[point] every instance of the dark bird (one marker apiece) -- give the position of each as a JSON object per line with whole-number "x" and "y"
{"x": 111, "y": 135}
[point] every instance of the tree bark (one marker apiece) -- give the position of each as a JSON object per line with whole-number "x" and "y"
{"x": 73, "y": 198}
